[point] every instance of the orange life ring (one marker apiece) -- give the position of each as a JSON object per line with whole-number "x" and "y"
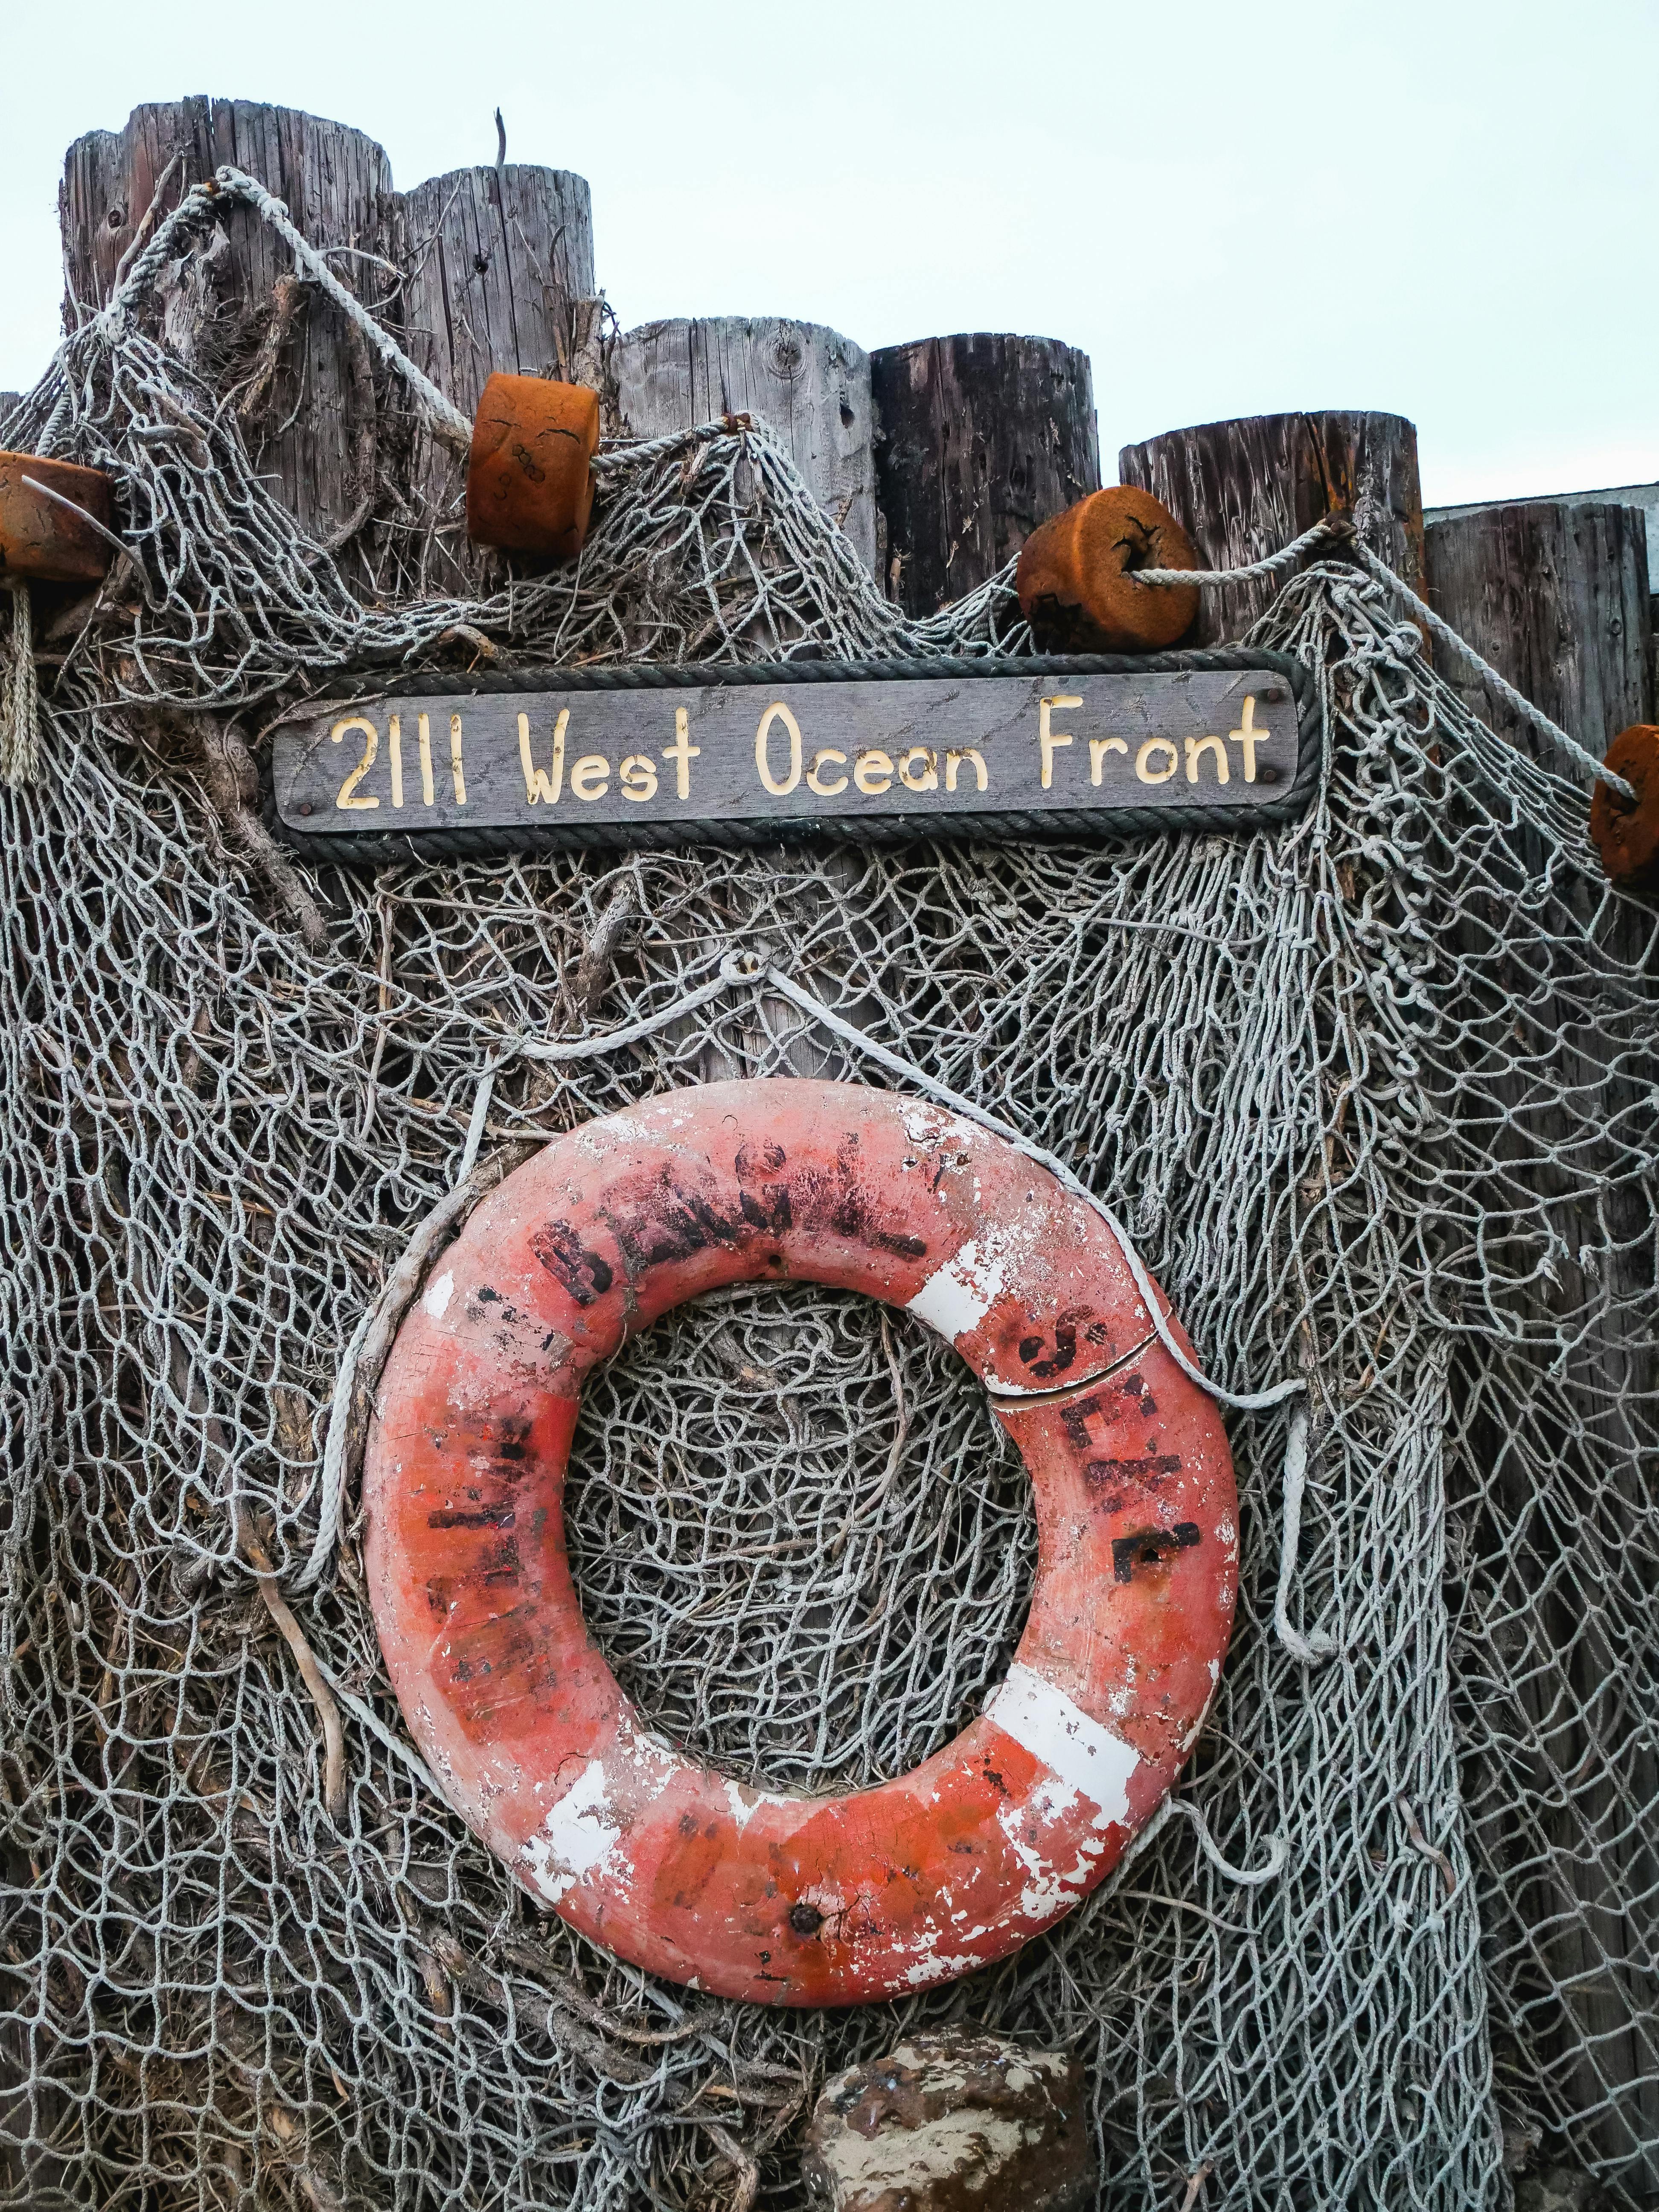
{"x": 750, "y": 1893}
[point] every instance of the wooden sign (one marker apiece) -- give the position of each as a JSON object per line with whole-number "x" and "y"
{"x": 879, "y": 750}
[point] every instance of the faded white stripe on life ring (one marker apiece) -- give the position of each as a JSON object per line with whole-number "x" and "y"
{"x": 956, "y": 1297}
{"x": 1077, "y": 1751}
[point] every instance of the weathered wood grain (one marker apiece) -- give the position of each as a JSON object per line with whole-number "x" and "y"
{"x": 497, "y": 267}
{"x": 808, "y": 382}
{"x": 1242, "y": 490}
{"x": 1557, "y": 597}
{"x": 980, "y": 437}
{"x": 309, "y": 407}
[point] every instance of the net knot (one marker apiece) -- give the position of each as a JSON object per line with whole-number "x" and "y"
{"x": 743, "y": 965}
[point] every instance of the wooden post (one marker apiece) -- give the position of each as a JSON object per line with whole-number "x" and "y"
{"x": 1245, "y": 488}
{"x": 1555, "y": 594}
{"x": 808, "y": 382}
{"x": 980, "y": 437}
{"x": 309, "y": 409}
{"x": 498, "y": 262}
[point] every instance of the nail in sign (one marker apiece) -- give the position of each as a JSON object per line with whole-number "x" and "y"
{"x": 1019, "y": 750}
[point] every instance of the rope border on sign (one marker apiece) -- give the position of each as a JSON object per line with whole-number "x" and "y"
{"x": 1001, "y": 828}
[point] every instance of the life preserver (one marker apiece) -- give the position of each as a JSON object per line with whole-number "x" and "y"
{"x": 751, "y": 1892}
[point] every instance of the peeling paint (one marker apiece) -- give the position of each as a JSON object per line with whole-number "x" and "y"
{"x": 1041, "y": 1718}
{"x": 956, "y": 1299}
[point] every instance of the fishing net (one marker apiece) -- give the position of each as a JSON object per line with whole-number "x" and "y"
{"x": 1376, "y": 1094}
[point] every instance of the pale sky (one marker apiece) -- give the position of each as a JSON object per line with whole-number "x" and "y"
{"x": 1448, "y": 210}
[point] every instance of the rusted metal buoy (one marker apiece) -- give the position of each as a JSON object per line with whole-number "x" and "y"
{"x": 953, "y": 2120}
{"x": 530, "y": 477}
{"x": 1626, "y": 831}
{"x": 1076, "y": 576}
{"x": 52, "y": 538}
{"x": 750, "y": 1893}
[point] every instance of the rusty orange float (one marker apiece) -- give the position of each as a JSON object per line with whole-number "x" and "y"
{"x": 1625, "y": 831}
{"x": 530, "y": 474}
{"x": 751, "y": 1892}
{"x": 1076, "y": 576}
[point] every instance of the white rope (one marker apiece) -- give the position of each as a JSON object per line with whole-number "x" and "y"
{"x": 377, "y": 1325}
{"x": 614, "y": 1040}
{"x": 20, "y": 697}
{"x": 361, "y": 1712}
{"x": 1505, "y": 690}
{"x": 1278, "y": 1849}
{"x": 334, "y": 1457}
{"x": 231, "y": 186}
{"x": 1334, "y": 526}
{"x": 475, "y": 1127}
{"x": 446, "y": 418}
{"x": 1244, "y": 1402}
{"x": 1312, "y": 1651}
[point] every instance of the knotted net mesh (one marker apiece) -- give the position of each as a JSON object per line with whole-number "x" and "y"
{"x": 1375, "y": 1092}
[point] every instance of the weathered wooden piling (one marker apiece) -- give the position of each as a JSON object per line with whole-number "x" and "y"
{"x": 1556, "y": 596}
{"x": 308, "y": 405}
{"x": 1242, "y": 490}
{"x": 808, "y": 382}
{"x": 497, "y": 264}
{"x": 980, "y": 437}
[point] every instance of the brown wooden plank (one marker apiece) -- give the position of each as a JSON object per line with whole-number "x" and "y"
{"x": 678, "y": 763}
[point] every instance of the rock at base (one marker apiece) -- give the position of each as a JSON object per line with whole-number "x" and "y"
{"x": 953, "y": 2122}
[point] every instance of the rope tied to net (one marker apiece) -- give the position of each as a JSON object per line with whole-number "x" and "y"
{"x": 231, "y": 187}
{"x": 20, "y": 694}
{"x": 1339, "y": 529}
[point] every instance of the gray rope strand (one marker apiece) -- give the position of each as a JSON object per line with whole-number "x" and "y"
{"x": 234, "y": 185}
{"x": 231, "y": 187}
{"x": 1505, "y": 690}
{"x": 447, "y": 419}
{"x": 20, "y": 697}
{"x": 1335, "y": 527}
{"x": 1339, "y": 528}
{"x": 1312, "y": 1651}
{"x": 1278, "y": 1849}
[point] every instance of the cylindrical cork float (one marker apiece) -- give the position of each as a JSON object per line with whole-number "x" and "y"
{"x": 53, "y": 539}
{"x": 1626, "y": 831}
{"x": 1076, "y": 578}
{"x": 530, "y": 477}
